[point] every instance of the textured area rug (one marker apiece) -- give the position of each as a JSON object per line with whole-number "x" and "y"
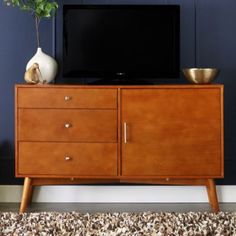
{"x": 146, "y": 223}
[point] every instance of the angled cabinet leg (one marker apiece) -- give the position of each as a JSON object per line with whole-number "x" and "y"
{"x": 26, "y": 195}
{"x": 212, "y": 195}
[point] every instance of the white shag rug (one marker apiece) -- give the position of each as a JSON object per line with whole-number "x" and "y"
{"x": 109, "y": 224}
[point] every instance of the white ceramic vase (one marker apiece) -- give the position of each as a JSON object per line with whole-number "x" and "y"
{"x": 47, "y": 66}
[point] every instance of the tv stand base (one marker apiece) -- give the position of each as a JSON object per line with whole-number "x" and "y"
{"x": 29, "y": 183}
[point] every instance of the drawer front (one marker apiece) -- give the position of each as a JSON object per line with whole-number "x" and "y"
{"x": 66, "y": 98}
{"x": 67, "y": 159}
{"x": 67, "y": 125}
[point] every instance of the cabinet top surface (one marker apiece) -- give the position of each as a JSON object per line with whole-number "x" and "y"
{"x": 120, "y": 86}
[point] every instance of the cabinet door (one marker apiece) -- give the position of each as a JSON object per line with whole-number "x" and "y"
{"x": 172, "y": 132}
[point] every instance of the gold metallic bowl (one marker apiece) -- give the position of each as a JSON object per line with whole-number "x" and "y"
{"x": 200, "y": 75}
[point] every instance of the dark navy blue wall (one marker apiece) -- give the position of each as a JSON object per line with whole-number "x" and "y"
{"x": 208, "y": 38}
{"x": 17, "y": 46}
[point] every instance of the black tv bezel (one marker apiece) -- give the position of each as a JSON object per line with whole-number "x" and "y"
{"x": 107, "y": 75}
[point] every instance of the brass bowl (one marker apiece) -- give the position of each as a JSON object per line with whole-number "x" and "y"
{"x": 200, "y": 75}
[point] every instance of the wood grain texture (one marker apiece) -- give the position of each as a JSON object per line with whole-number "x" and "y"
{"x": 119, "y": 134}
{"x": 27, "y": 191}
{"x": 174, "y": 135}
{"x": 46, "y": 159}
{"x": 115, "y": 87}
{"x": 85, "y": 125}
{"x": 54, "y": 97}
{"x": 172, "y": 132}
{"x": 67, "y": 181}
{"x": 212, "y": 195}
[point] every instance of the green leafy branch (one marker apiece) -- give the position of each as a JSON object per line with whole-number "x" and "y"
{"x": 38, "y": 8}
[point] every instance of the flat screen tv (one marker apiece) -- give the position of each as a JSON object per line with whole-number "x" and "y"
{"x": 128, "y": 41}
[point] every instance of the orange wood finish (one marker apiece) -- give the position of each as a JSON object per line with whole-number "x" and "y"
{"x": 67, "y": 159}
{"x": 174, "y": 135}
{"x": 27, "y": 191}
{"x": 66, "y": 97}
{"x": 69, "y": 125}
{"x": 65, "y": 181}
{"x": 29, "y": 183}
{"x": 172, "y": 132}
{"x": 212, "y": 195}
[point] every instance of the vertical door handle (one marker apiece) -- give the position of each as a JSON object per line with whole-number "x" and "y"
{"x": 125, "y": 133}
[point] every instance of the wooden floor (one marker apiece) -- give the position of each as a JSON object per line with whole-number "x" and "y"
{"x": 115, "y": 207}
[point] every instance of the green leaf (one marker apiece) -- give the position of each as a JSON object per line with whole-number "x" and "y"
{"x": 15, "y": 2}
{"x": 39, "y": 1}
{"x": 38, "y": 11}
{"x": 39, "y": 8}
{"x": 25, "y": 8}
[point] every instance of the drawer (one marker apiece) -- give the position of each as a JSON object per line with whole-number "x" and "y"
{"x": 67, "y": 159}
{"x": 66, "y": 98}
{"x": 67, "y": 125}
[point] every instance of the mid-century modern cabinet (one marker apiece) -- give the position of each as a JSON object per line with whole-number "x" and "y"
{"x": 163, "y": 134}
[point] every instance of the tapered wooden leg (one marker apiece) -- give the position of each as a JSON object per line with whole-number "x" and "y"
{"x": 212, "y": 195}
{"x": 27, "y": 191}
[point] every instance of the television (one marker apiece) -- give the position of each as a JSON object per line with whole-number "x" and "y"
{"x": 121, "y": 41}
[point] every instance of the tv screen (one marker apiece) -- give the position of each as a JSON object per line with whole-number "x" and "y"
{"x": 131, "y": 41}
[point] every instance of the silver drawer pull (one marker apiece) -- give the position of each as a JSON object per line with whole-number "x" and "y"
{"x": 67, "y": 125}
{"x": 125, "y": 133}
{"x": 67, "y": 158}
{"x": 67, "y": 98}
